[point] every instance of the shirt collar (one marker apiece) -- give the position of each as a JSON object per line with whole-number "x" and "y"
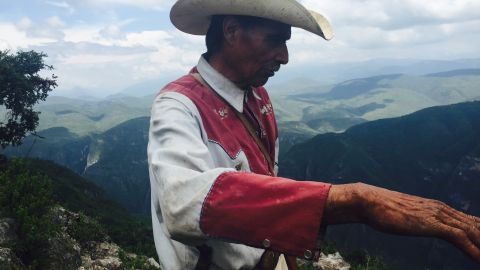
{"x": 223, "y": 86}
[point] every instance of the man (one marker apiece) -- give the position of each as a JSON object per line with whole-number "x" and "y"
{"x": 213, "y": 149}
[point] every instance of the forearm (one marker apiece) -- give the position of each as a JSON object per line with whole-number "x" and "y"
{"x": 344, "y": 204}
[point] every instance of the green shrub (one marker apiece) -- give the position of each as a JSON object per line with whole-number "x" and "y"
{"x": 361, "y": 260}
{"x": 358, "y": 259}
{"x": 27, "y": 198}
{"x": 137, "y": 263}
{"x": 86, "y": 229}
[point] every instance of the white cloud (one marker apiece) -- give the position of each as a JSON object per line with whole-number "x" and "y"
{"x": 395, "y": 14}
{"x": 444, "y": 9}
{"x": 391, "y": 29}
{"x": 70, "y": 9}
{"x": 102, "y": 48}
{"x": 112, "y": 31}
{"x": 24, "y": 23}
{"x": 55, "y": 22}
{"x": 13, "y": 38}
{"x": 145, "y": 4}
{"x": 109, "y": 59}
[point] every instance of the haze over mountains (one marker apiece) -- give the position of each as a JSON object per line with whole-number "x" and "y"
{"x": 377, "y": 97}
{"x": 295, "y": 89}
{"x": 303, "y": 107}
{"x": 321, "y": 73}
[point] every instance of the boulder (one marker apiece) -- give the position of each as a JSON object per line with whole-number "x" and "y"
{"x": 8, "y": 260}
{"x": 8, "y": 233}
{"x": 333, "y": 261}
{"x": 101, "y": 255}
{"x": 63, "y": 252}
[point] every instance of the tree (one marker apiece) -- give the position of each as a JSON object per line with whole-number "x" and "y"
{"x": 21, "y": 87}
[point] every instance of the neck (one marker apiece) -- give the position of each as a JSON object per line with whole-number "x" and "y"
{"x": 227, "y": 68}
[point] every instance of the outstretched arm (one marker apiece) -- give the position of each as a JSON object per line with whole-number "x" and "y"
{"x": 399, "y": 213}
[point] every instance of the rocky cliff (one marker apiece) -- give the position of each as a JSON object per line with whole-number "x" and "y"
{"x": 66, "y": 251}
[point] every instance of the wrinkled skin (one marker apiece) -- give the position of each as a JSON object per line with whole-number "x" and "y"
{"x": 398, "y": 213}
{"x": 249, "y": 57}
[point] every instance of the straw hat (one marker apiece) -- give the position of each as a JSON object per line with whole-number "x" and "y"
{"x": 193, "y": 16}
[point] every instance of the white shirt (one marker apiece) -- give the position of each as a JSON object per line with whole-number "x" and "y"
{"x": 183, "y": 165}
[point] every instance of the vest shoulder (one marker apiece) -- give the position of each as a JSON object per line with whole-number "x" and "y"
{"x": 184, "y": 83}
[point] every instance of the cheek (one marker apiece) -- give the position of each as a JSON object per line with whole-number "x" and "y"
{"x": 254, "y": 59}
{"x": 249, "y": 66}
{"x": 258, "y": 62}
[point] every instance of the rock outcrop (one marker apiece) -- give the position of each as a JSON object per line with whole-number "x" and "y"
{"x": 8, "y": 236}
{"x": 333, "y": 261}
{"x": 65, "y": 252}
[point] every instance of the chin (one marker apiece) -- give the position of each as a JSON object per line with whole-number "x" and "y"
{"x": 260, "y": 82}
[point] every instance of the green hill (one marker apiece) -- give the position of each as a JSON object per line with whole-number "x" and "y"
{"x": 118, "y": 163}
{"x": 85, "y": 117}
{"x": 115, "y": 160}
{"x": 433, "y": 153}
{"x": 79, "y": 195}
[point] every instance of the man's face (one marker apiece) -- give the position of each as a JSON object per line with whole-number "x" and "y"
{"x": 259, "y": 51}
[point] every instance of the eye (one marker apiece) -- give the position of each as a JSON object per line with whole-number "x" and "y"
{"x": 276, "y": 41}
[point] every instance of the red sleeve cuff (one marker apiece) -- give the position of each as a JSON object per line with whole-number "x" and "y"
{"x": 266, "y": 212}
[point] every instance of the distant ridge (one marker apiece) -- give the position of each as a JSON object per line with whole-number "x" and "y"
{"x": 457, "y": 72}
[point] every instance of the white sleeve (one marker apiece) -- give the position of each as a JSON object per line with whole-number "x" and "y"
{"x": 181, "y": 167}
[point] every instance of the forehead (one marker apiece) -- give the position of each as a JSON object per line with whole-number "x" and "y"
{"x": 270, "y": 28}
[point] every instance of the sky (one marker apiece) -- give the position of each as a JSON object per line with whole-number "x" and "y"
{"x": 100, "y": 47}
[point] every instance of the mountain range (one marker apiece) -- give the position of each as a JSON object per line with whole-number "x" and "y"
{"x": 434, "y": 153}
{"x": 304, "y": 107}
{"x": 105, "y": 140}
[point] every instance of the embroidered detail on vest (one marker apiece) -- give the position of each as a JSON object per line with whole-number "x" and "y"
{"x": 267, "y": 109}
{"x": 223, "y": 112}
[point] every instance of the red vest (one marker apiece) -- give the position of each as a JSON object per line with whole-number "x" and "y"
{"x": 225, "y": 129}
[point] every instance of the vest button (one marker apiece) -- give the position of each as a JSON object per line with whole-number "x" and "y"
{"x": 266, "y": 243}
{"x": 308, "y": 254}
{"x": 238, "y": 167}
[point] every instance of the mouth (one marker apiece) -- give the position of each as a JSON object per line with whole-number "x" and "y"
{"x": 273, "y": 70}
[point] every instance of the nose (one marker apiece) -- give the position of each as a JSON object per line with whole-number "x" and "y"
{"x": 282, "y": 54}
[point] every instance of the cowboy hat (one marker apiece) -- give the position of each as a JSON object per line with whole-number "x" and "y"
{"x": 193, "y": 16}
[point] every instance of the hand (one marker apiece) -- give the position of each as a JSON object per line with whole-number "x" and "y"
{"x": 398, "y": 213}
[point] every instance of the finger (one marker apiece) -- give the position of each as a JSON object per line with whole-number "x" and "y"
{"x": 461, "y": 240}
{"x": 475, "y": 231}
{"x": 468, "y": 223}
{"x": 477, "y": 221}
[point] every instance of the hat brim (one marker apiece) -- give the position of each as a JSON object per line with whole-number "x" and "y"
{"x": 193, "y": 16}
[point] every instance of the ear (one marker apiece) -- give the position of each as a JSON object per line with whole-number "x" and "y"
{"x": 231, "y": 29}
